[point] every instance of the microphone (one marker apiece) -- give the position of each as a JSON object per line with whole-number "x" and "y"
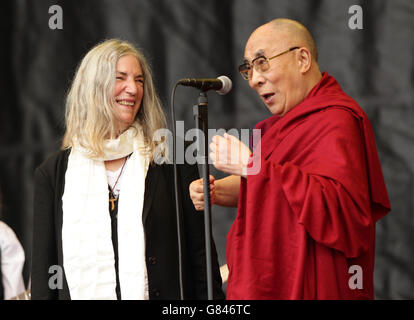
{"x": 222, "y": 84}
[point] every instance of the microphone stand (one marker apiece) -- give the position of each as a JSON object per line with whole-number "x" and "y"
{"x": 200, "y": 113}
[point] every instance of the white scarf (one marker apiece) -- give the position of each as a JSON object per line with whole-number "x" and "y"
{"x": 88, "y": 255}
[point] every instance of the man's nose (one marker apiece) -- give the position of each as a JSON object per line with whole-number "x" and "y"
{"x": 256, "y": 79}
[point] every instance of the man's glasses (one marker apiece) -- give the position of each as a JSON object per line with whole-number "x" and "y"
{"x": 260, "y": 64}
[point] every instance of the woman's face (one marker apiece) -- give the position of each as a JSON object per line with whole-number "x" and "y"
{"x": 129, "y": 90}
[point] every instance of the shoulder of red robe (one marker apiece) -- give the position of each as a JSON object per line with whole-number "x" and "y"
{"x": 326, "y": 94}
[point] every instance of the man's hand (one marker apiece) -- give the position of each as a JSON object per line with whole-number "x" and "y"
{"x": 197, "y": 193}
{"x": 230, "y": 155}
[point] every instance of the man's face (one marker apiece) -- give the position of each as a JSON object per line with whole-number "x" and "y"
{"x": 278, "y": 85}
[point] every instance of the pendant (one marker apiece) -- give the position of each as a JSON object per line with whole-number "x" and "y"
{"x": 112, "y": 201}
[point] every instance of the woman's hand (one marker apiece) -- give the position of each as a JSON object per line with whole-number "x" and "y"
{"x": 197, "y": 193}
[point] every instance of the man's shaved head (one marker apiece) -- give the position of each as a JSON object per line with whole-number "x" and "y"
{"x": 296, "y": 32}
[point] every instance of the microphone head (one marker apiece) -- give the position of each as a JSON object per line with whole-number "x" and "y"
{"x": 227, "y": 85}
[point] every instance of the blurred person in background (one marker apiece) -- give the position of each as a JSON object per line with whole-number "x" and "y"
{"x": 12, "y": 259}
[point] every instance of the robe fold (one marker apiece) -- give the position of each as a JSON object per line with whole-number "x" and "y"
{"x": 305, "y": 227}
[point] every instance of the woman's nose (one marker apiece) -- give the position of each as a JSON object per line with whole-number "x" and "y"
{"x": 131, "y": 87}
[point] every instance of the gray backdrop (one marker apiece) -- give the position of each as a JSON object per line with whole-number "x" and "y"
{"x": 194, "y": 38}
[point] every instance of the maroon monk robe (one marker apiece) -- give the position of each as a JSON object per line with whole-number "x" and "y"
{"x": 310, "y": 213}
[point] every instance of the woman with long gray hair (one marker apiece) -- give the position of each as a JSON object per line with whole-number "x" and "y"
{"x": 104, "y": 210}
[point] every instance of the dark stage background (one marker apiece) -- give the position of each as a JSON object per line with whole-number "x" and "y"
{"x": 193, "y": 38}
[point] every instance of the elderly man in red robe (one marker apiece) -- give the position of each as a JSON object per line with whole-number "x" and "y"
{"x": 305, "y": 226}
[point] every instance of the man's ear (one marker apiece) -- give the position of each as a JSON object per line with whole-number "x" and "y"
{"x": 305, "y": 59}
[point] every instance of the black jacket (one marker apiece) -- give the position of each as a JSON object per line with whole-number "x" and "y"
{"x": 159, "y": 220}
